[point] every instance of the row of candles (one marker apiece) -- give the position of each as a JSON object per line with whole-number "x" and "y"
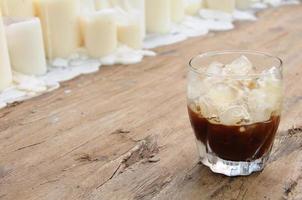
{"x": 32, "y": 31}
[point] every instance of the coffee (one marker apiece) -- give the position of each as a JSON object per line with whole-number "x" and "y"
{"x": 244, "y": 142}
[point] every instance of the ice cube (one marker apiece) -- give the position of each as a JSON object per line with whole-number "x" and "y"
{"x": 194, "y": 86}
{"x": 273, "y": 74}
{"x": 222, "y": 94}
{"x": 272, "y": 77}
{"x": 271, "y": 83}
{"x": 273, "y": 90}
{"x": 198, "y": 87}
{"x": 208, "y": 83}
{"x": 207, "y": 109}
{"x": 260, "y": 105}
{"x": 215, "y": 68}
{"x": 194, "y": 90}
{"x": 240, "y": 66}
{"x": 234, "y": 115}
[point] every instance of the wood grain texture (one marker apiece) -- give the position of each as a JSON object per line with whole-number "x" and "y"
{"x": 124, "y": 133}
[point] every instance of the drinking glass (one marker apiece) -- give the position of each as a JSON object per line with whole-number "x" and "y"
{"x": 234, "y": 104}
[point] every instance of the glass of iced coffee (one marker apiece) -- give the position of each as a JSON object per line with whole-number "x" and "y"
{"x": 234, "y": 105}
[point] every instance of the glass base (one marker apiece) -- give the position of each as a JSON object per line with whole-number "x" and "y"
{"x": 230, "y": 168}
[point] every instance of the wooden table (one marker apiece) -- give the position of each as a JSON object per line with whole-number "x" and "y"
{"x": 123, "y": 133}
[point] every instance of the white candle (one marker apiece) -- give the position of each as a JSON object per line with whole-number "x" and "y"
{"x": 17, "y": 8}
{"x": 87, "y": 6}
{"x": 139, "y": 7}
{"x": 193, "y": 6}
{"x": 61, "y": 27}
{"x": 102, "y": 4}
{"x": 158, "y": 16}
{"x": 129, "y": 30}
{"x": 136, "y": 11}
{"x": 25, "y": 44}
{"x": 243, "y": 4}
{"x": 100, "y": 33}
{"x": 222, "y": 5}
{"x": 5, "y": 68}
{"x": 130, "y": 35}
{"x": 133, "y": 7}
{"x": 177, "y": 10}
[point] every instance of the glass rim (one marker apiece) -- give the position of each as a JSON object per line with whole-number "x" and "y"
{"x": 222, "y": 52}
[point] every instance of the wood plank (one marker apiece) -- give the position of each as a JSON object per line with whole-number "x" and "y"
{"x": 96, "y": 141}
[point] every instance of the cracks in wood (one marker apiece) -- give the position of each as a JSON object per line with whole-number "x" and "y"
{"x": 290, "y": 187}
{"x": 49, "y": 181}
{"x": 244, "y": 194}
{"x": 286, "y": 142}
{"x": 111, "y": 177}
{"x": 90, "y": 158}
{"x": 154, "y": 159}
{"x": 154, "y": 187}
{"x": 189, "y": 174}
{"x": 220, "y": 190}
{"x": 11, "y": 105}
{"x": 123, "y": 133}
{"x": 86, "y": 157}
{"x": 144, "y": 150}
{"x": 217, "y": 191}
{"x": 4, "y": 114}
{"x": 294, "y": 131}
{"x": 29, "y": 146}
{"x": 241, "y": 189}
{"x": 77, "y": 147}
{"x": 120, "y": 131}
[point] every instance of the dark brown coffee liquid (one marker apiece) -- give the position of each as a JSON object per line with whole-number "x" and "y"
{"x": 235, "y": 143}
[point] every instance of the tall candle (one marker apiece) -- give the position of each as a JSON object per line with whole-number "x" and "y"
{"x": 243, "y": 4}
{"x": 61, "y": 27}
{"x": 5, "y": 67}
{"x": 177, "y": 10}
{"x": 133, "y": 7}
{"x": 102, "y": 4}
{"x": 222, "y": 5}
{"x": 129, "y": 34}
{"x": 87, "y": 6}
{"x": 158, "y": 17}
{"x": 100, "y": 33}
{"x": 17, "y": 8}
{"x": 139, "y": 7}
{"x": 193, "y": 6}
{"x": 129, "y": 30}
{"x": 25, "y": 44}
